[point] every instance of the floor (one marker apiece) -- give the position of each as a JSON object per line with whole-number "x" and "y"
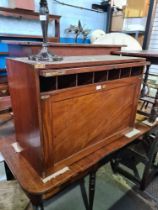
{"x": 113, "y": 192}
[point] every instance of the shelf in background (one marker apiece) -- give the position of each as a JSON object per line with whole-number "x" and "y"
{"x": 26, "y": 14}
{"x": 4, "y": 53}
{"x": 23, "y": 36}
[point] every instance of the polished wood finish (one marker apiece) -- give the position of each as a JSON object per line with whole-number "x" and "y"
{"x": 61, "y": 118}
{"x": 23, "y": 48}
{"x": 24, "y": 87}
{"x": 5, "y": 102}
{"x": 150, "y": 55}
{"x": 26, "y": 14}
{"x": 31, "y": 182}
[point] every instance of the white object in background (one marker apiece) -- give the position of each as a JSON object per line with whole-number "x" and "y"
{"x": 97, "y": 34}
{"x": 1, "y": 157}
{"x": 119, "y": 39}
{"x": 119, "y": 3}
{"x": 146, "y": 122}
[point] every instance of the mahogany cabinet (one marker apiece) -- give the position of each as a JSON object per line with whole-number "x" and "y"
{"x": 66, "y": 110}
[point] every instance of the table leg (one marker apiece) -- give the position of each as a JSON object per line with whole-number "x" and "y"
{"x": 36, "y": 201}
{"x": 38, "y": 207}
{"x": 9, "y": 174}
{"x": 154, "y": 111}
{"x": 92, "y": 181}
{"x": 84, "y": 194}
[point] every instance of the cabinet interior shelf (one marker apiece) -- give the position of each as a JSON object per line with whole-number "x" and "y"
{"x": 74, "y": 80}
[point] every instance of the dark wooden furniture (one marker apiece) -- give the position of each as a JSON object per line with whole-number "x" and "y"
{"x": 152, "y": 57}
{"x": 142, "y": 151}
{"x": 5, "y": 102}
{"x": 69, "y": 109}
{"x": 26, "y": 14}
{"x": 23, "y": 48}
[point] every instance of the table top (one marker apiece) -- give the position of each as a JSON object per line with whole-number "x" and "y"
{"x": 139, "y": 53}
{"x": 33, "y": 184}
{"x": 35, "y": 43}
{"x": 79, "y": 61}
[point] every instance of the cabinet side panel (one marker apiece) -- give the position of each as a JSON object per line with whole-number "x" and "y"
{"x": 24, "y": 90}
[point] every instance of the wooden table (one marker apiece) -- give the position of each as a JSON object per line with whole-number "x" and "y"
{"x": 38, "y": 191}
{"x": 26, "y": 48}
{"x": 152, "y": 57}
{"x": 79, "y": 96}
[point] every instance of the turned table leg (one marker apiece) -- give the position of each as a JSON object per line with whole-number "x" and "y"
{"x": 88, "y": 201}
{"x": 9, "y": 174}
{"x": 145, "y": 81}
{"x": 154, "y": 111}
{"x": 92, "y": 181}
{"x": 38, "y": 207}
{"x": 36, "y": 201}
{"x": 84, "y": 194}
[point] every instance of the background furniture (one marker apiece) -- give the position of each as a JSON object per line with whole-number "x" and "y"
{"x": 152, "y": 57}
{"x": 26, "y": 14}
{"x": 23, "y": 48}
{"x": 141, "y": 151}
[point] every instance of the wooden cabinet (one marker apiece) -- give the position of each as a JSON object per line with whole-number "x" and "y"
{"x": 69, "y": 109}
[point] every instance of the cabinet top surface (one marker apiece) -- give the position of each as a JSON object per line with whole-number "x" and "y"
{"x": 79, "y": 61}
